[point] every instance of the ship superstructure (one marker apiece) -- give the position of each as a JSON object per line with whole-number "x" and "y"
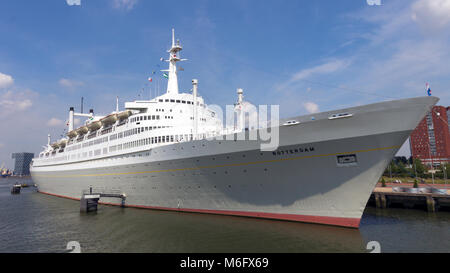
{"x": 167, "y": 153}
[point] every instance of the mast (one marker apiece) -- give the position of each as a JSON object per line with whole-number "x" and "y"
{"x": 240, "y": 110}
{"x": 194, "y": 94}
{"x": 174, "y": 57}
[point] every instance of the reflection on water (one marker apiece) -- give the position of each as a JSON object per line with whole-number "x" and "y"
{"x": 33, "y": 222}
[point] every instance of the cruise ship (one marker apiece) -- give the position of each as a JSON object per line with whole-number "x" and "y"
{"x": 174, "y": 152}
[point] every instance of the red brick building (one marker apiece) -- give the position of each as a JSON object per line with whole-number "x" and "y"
{"x": 430, "y": 141}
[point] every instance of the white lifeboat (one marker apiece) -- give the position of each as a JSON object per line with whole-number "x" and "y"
{"x": 82, "y": 130}
{"x": 72, "y": 133}
{"x": 94, "y": 125}
{"x": 123, "y": 115}
{"x": 108, "y": 120}
{"x": 62, "y": 143}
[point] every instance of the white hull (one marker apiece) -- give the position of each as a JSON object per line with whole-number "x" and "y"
{"x": 236, "y": 178}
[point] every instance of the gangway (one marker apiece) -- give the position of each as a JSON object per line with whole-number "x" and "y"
{"x": 89, "y": 198}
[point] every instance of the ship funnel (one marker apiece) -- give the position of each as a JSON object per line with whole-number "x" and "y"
{"x": 240, "y": 93}
{"x": 71, "y": 113}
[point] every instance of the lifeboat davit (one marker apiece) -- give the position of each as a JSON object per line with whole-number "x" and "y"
{"x": 108, "y": 120}
{"x": 94, "y": 125}
{"x": 123, "y": 115}
{"x": 82, "y": 130}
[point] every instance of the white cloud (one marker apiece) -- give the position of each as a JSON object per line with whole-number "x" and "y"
{"x": 5, "y": 80}
{"x": 431, "y": 14}
{"x": 311, "y": 107}
{"x": 319, "y": 69}
{"x": 124, "y": 4}
{"x": 70, "y": 83}
{"x": 326, "y": 68}
{"x": 73, "y": 2}
{"x": 54, "y": 122}
{"x": 24, "y": 104}
{"x": 12, "y": 102}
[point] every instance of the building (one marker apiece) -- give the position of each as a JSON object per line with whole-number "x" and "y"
{"x": 430, "y": 141}
{"x": 22, "y": 163}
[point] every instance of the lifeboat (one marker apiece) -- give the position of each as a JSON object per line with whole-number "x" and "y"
{"x": 62, "y": 143}
{"x": 82, "y": 130}
{"x": 123, "y": 115}
{"x": 94, "y": 125}
{"x": 108, "y": 120}
{"x": 72, "y": 133}
{"x": 54, "y": 145}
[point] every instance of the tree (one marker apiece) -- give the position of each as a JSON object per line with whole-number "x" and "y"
{"x": 420, "y": 168}
{"x": 383, "y": 183}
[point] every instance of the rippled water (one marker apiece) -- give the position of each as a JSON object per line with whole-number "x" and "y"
{"x": 34, "y": 222}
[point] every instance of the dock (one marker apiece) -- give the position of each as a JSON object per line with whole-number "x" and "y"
{"x": 90, "y": 198}
{"x": 431, "y": 199}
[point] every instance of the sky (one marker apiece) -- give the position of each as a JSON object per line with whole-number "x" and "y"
{"x": 306, "y": 56}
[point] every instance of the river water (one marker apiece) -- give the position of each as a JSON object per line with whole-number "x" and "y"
{"x": 34, "y": 222}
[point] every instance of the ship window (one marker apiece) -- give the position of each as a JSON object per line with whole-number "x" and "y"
{"x": 167, "y": 100}
{"x": 172, "y": 100}
{"x": 160, "y": 100}
{"x": 178, "y": 101}
{"x": 145, "y": 117}
{"x": 183, "y": 101}
{"x": 347, "y": 160}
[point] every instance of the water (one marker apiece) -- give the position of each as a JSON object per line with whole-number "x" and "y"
{"x": 34, "y": 222}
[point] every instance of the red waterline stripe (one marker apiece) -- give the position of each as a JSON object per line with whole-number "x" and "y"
{"x": 325, "y": 220}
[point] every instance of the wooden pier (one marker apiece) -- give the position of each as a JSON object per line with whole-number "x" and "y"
{"x": 430, "y": 199}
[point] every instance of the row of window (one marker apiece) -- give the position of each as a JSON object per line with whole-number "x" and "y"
{"x": 182, "y": 101}
{"x": 141, "y": 118}
{"x": 113, "y": 137}
{"x": 151, "y": 140}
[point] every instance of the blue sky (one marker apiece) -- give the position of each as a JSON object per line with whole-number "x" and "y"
{"x": 305, "y": 56}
